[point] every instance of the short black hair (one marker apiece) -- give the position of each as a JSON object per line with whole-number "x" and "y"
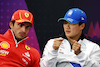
{"x": 80, "y": 23}
{"x": 13, "y": 23}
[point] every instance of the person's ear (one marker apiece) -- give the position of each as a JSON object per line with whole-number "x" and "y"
{"x": 82, "y": 26}
{"x": 11, "y": 25}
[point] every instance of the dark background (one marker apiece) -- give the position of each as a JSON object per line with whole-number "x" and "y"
{"x": 47, "y": 12}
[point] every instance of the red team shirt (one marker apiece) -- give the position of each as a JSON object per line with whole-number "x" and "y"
{"x": 13, "y": 54}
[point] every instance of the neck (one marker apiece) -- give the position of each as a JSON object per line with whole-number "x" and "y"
{"x": 71, "y": 39}
{"x": 18, "y": 39}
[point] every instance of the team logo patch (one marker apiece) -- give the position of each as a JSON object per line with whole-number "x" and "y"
{"x": 4, "y": 45}
{"x": 26, "y": 15}
{"x": 28, "y": 48}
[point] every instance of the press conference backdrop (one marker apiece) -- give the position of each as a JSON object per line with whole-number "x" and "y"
{"x": 46, "y": 13}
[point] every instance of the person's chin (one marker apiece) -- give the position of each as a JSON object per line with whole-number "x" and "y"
{"x": 68, "y": 35}
{"x": 21, "y": 37}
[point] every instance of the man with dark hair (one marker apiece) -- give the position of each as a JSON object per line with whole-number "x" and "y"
{"x": 13, "y": 50}
{"x": 72, "y": 49}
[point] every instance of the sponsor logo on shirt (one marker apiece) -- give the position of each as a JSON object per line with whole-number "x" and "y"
{"x": 4, "y": 45}
{"x": 4, "y": 52}
{"x": 27, "y": 56}
{"x": 25, "y": 61}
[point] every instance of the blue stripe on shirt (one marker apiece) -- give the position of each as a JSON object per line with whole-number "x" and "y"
{"x": 75, "y": 64}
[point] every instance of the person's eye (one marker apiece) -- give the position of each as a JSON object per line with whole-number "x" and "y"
{"x": 20, "y": 24}
{"x": 65, "y": 22}
{"x": 27, "y": 27}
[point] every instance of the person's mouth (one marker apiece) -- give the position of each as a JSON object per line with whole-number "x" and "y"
{"x": 67, "y": 31}
{"x": 22, "y": 34}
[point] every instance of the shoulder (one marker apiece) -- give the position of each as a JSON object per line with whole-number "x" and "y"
{"x": 2, "y": 36}
{"x": 51, "y": 40}
{"x": 49, "y": 43}
{"x": 35, "y": 56}
{"x": 32, "y": 50}
{"x": 91, "y": 43}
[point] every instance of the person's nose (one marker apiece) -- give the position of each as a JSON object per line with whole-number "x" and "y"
{"x": 23, "y": 29}
{"x": 68, "y": 25}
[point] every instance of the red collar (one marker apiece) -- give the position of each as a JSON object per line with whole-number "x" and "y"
{"x": 10, "y": 36}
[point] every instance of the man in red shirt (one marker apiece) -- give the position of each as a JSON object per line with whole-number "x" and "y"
{"x": 13, "y": 50}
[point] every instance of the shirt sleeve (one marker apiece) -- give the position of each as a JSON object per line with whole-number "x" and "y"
{"x": 93, "y": 60}
{"x": 35, "y": 59}
{"x": 49, "y": 55}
